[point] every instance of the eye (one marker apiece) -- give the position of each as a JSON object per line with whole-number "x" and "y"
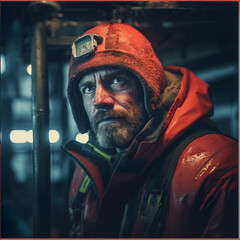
{"x": 88, "y": 90}
{"x": 119, "y": 80}
{"x": 119, "y": 83}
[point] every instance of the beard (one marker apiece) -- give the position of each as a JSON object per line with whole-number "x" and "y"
{"x": 119, "y": 132}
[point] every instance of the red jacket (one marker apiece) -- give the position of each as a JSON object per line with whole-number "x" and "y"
{"x": 202, "y": 199}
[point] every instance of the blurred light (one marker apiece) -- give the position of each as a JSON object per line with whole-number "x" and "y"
{"x": 168, "y": 24}
{"x": 30, "y": 136}
{"x": 19, "y": 136}
{"x": 29, "y": 69}
{"x": 3, "y": 64}
{"x": 25, "y": 87}
{"x": 20, "y": 167}
{"x": 82, "y": 138}
{"x": 217, "y": 74}
{"x": 21, "y": 109}
{"x": 53, "y": 136}
{"x": 22, "y": 136}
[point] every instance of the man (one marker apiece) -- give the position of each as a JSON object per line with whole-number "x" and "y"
{"x": 155, "y": 165}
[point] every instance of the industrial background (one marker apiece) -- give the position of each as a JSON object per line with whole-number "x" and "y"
{"x": 202, "y": 36}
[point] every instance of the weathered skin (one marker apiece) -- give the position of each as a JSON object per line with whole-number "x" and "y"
{"x": 113, "y": 103}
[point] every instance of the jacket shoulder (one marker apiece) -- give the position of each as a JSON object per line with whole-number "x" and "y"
{"x": 209, "y": 156}
{"x": 204, "y": 189}
{"x": 212, "y": 150}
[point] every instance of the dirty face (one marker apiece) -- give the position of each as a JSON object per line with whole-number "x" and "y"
{"x": 113, "y": 100}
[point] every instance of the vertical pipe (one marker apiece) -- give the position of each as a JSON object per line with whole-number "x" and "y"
{"x": 41, "y": 146}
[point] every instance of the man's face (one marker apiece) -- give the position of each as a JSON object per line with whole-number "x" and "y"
{"x": 113, "y": 100}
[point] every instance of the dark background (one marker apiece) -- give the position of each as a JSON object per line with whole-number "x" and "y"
{"x": 202, "y": 36}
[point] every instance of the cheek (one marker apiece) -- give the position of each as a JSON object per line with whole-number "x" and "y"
{"x": 130, "y": 103}
{"x": 88, "y": 106}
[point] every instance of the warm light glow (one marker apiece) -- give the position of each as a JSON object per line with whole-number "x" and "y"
{"x": 19, "y": 136}
{"x": 82, "y": 138}
{"x": 30, "y": 136}
{"x": 23, "y": 136}
{"x": 29, "y": 69}
{"x": 53, "y": 136}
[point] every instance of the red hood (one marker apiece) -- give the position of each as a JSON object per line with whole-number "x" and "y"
{"x": 192, "y": 103}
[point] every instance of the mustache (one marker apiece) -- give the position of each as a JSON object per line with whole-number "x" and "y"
{"x": 102, "y": 115}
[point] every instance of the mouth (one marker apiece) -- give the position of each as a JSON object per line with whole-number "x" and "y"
{"x": 108, "y": 120}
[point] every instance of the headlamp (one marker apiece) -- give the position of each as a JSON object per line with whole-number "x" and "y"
{"x": 85, "y": 45}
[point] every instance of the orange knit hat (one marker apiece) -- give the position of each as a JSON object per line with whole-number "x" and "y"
{"x": 115, "y": 45}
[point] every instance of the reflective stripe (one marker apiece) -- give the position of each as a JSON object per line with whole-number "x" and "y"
{"x": 85, "y": 183}
{"x": 103, "y": 154}
{"x": 158, "y": 198}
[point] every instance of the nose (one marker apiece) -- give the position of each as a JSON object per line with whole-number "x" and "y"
{"x": 103, "y": 98}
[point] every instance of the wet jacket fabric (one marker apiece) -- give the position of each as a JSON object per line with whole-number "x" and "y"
{"x": 125, "y": 194}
